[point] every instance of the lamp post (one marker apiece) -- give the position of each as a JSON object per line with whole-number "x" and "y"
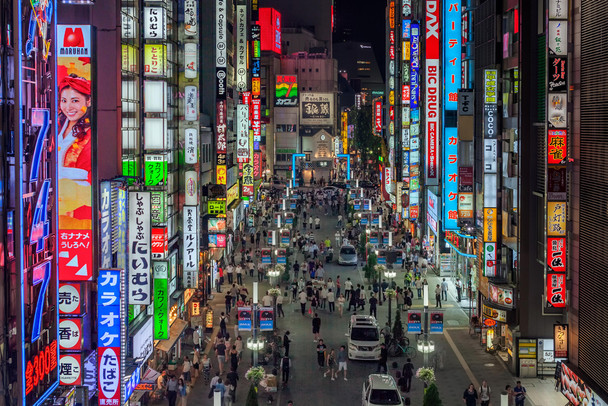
{"x": 254, "y": 343}
{"x": 390, "y": 274}
{"x": 424, "y": 345}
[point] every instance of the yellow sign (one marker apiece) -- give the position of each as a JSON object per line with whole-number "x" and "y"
{"x": 216, "y": 207}
{"x": 391, "y": 97}
{"x": 556, "y": 219}
{"x": 345, "y": 132}
{"x": 220, "y": 178}
{"x": 489, "y": 224}
{"x": 255, "y": 86}
{"x": 155, "y": 60}
{"x": 406, "y": 51}
{"x": 232, "y": 194}
{"x": 172, "y": 314}
{"x": 129, "y": 58}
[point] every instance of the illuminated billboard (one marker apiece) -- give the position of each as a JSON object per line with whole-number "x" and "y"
{"x": 270, "y": 23}
{"x": 432, "y": 92}
{"x": 317, "y": 109}
{"x": 286, "y": 91}
{"x": 75, "y": 142}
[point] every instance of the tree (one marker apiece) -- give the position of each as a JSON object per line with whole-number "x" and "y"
{"x": 431, "y": 396}
{"x": 370, "y": 268}
{"x": 368, "y": 144}
{"x": 252, "y": 396}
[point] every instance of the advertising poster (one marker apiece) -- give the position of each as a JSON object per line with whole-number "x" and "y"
{"x": 414, "y": 322}
{"x": 245, "y": 319}
{"x": 500, "y": 295}
{"x": 556, "y": 289}
{"x": 556, "y": 219}
{"x": 556, "y": 254}
{"x": 317, "y": 109}
{"x": 436, "y": 320}
{"x": 266, "y": 319}
{"x": 75, "y": 141}
{"x": 286, "y": 91}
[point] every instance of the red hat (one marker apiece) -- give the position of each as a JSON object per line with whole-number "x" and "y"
{"x": 79, "y": 84}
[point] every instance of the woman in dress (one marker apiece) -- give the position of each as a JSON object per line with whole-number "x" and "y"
{"x": 341, "y": 301}
{"x": 182, "y": 394}
{"x": 206, "y": 365}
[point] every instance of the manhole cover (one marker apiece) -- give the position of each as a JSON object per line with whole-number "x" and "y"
{"x": 488, "y": 365}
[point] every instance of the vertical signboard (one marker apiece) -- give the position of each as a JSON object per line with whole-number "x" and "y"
{"x": 432, "y": 95}
{"x": 161, "y": 300}
{"x": 105, "y": 231}
{"x": 241, "y": 47}
{"x": 242, "y": 133}
{"x": 557, "y": 152}
{"x": 452, "y": 22}
{"x": 75, "y": 142}
{"x": 110, "y": 339}
{"x": 139, "y": 248}
{"x": 191, "y": 246}
{"x": 491, "y": 173}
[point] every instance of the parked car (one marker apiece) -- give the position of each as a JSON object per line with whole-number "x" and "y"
{"x": 274, "y": 184}
{"x": 347, "y": 256}
{"x": 339, "y": 185}
{"x": 363, "y": 338}
{"x": 380, "y": 389}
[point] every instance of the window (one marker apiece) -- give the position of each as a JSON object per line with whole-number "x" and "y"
{"x": 316, "y": 70}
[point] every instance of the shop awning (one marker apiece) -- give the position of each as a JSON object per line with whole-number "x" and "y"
{"x": 176, "y": 330}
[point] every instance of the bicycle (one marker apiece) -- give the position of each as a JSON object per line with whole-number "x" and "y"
{"x": 397, "y": 349}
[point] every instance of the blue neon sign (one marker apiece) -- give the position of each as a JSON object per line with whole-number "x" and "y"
{"x": 406, "y": 29}
{"x": 415, "y": 64}
{"x": 450, "y": 184}
{"x": 109, "y": 308}
{"x": 452, "y": 71}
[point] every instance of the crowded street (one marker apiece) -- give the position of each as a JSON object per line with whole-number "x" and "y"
{"x": 458, "y": 358}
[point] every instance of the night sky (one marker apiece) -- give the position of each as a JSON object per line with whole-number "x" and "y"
{"x": 366, "y": 20}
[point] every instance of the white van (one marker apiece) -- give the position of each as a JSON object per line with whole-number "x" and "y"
{"x": 363, "y": 338}
{"x": 381, "y": 390}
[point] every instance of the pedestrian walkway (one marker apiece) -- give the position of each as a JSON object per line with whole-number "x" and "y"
{"x": 459, "y": 358}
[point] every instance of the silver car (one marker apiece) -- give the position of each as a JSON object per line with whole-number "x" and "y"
{"x": 347, "y": 256}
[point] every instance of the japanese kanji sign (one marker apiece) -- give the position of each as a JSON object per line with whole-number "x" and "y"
{"x": 161, "y": 301}
{"x": 556, "y": 289}
{"x": 190, "y": 229}
{"x": 139, "y": 248}
{"x": 556, "y": 254}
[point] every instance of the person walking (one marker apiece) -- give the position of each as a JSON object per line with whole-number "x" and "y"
{"x": 361, "y": 298}
{"x": 186, "y": 368}
{"x": 280, "y": 312}
{"x": 286, "y": 342}
{"x": 418, "y": 284}
{"x": 520, "y": 394}
{"x": 331, "y": 299}
{"x": 316, "y": 326}
{"x": 303, "y": 298}
{"x": 341, "y": 301}
{"x": 310, "y": 221}
{"x": 373, "y": 302}
{"x": 438, "y": 296}
{"x": 285, "y": 367}
{"x": 182, "y": 394}
{"x": 484, "y": 394}
{"x": 172, "y": 390}
{"x": 220, "y": 351}
{"x": 470, "y": 396}
{"x": 321, "y": 354}
{"x": 408, "y": 373}
{"x": 232, "y": 378}
{"x": 458, "y": 289}
{"x": 444, "y": 290}
{"x": 206, "y": 365}
{"x": 331, "y": 365}
{"x": 383, "y": 359}
{"x": 234, "y": 358}
{"x": 348, "y": 288}
{"x": 342, "y": 359}
{"x": 223, "y": 330}
{"x": 239, "y": 274}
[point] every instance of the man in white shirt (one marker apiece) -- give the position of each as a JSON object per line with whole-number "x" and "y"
{"x": 280, "y": 312}
{"x": 348, "y": 288}
{"x": 303, "y": 300}
{"x": 239, "y": 274}
{"x": 229, "y": 272}
{"x": 331, "y": 298}
{"x": 267, "y": 300}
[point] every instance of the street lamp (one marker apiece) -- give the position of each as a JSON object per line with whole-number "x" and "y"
{"x": 390, "y": 274}
{"x": 425, "y": 346}
{"x": 254, "y": 343}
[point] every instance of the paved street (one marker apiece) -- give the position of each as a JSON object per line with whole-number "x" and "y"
{"x": 458, "y": 357}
